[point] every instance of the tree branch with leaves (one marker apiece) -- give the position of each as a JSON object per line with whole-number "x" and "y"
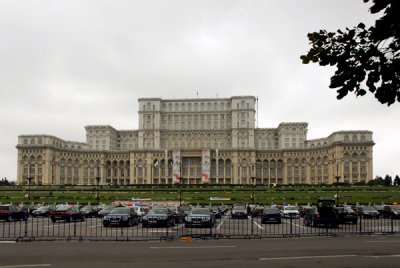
{"x": 366, "y": 58}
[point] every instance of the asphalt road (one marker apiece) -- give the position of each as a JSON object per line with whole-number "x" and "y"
{"x": 380, "y": 251}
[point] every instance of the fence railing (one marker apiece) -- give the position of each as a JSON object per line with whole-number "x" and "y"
{"x": 223, "y": 228}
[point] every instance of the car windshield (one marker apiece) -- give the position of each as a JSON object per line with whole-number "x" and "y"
{"x": 396, "y": 208}
{"x": 107, "y": 208}
{"x": 369, "y": 209}
{"x": 291, "y": 208}
{"x": 87, "y": 209}
{"x": 239, "y": 207}
{"x": 4, "y": 208}
{"x": 200, "y": 211}
{"x": 62, "y": 209}
{"x": 159, "y": 211}
{"x": 119, "y": 211}
{"x": 43, "y": 208}
{"x": 271, "y": 210}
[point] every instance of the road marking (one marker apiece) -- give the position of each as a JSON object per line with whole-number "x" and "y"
{"x": 8, "y": 242}
{"x": 382, "y": 241}
{"x": 191, "y": 247}
{"x": 383, "y": 256}
{"x": 306, "y": 257}
{"x": 222, "y": 222}
{"x": 259, "y": 226}
{"x": 26, "y": 265}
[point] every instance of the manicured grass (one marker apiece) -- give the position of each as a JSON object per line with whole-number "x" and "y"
{"x": 200, "y": 194}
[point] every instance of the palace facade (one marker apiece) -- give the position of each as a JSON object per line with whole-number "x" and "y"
{"x": 193, "y": 141}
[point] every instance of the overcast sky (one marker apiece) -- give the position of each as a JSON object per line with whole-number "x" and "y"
{"x": 68, "y": 64}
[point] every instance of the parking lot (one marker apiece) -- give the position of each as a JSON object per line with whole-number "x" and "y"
{"x": 42, "y": 228}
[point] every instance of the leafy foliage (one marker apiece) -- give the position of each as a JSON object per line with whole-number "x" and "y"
{"x": 365, "y": 58}
{"x": 5, "y": 182}
{"x": 396, "y": 180}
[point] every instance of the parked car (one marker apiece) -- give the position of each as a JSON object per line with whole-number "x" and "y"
{"x": 391, "y": 212}
{"x": 158, "y": 216}
{"x": 140, "y": 211}
{"x": 271, "y": 214}
{"x": 323, "y": 215}
{"x": 186, "y": 209}
{"x": 104, "y": 211}
{"x": 290, "y": 212}
{"x": 346, "y": 215}
{"x": 66, "y": 213}
{"x": 121, "y": 216}
{"x": 200, "y": 217}
{"x": 43, "y": 211}
{"x": 257, "y": 211}
{"x": 29, "y": 208}
{"x": 379, "y": 208}
{"x": 178, "y": 214}
{"x": 304, "y": 210}
{"x": 239, "y": 211}
{"x": 368, "y": 212}
{"x": 90, "y": 211}
{"x": 12, "y": 213}
{"x": 215, "y": 210}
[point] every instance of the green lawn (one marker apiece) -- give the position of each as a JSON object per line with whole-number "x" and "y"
{"x": 200, "y": 194}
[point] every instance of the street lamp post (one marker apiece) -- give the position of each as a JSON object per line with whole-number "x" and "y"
{"x": 254, "y": 187}
{"x": 29, "y": 187}
{"x": 337, "y": 177}
{"x": 180, "y": 184}
{"x": 98, "y": 189}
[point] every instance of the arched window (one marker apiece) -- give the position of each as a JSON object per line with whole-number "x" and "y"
{"x": 244, "y": 168}
{"x": 140, "y": 168}
{"x": 289, "y": 169}
{"x": 354, "y": 138}
{"x": 258, "y": 168}
{"x": 228, "y": 168}
{"x": 85, "y": 170}
{"x": 76, "y": 169}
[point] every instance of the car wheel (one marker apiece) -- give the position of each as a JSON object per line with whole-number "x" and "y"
{"x": 69, "y": 219}
{"x": 83, "y": 218}
{"x": 130, "y": 223}
{"x": 9, "y": 218}
{"x": 53, "y": 220}
{"x": 106, "y": 224}
{"x": 279, "y": 221}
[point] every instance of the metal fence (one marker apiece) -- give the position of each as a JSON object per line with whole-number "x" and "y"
{"x": 224, "y": 228}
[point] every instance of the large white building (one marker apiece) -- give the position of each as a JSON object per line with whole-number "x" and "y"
{"x": 197, "y": 141}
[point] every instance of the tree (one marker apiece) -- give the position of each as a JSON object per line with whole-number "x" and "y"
{"x": 387, "y": 181}
{"x": 365, "y": 58}
{"x": 396, "y": 180}
{"x": 377, "y": 181}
